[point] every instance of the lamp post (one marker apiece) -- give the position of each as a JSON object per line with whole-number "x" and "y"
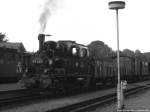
{"x": 116, "y": 5}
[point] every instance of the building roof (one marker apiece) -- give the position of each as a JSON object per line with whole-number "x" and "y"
{"x": 16, "y": 46}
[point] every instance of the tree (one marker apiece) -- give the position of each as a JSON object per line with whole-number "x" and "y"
{"x": 3, "y": 37}
{"x": 138, "y": 53}
{"x": 147, "y": 55}
{"x": 128, "y": 52}
{"x": 98, "y": 49}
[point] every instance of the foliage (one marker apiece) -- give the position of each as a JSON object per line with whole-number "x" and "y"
{"x": 147, "y": 55}
{"x": 137, "y": 51}
{"x": 139, "y": 55}
{"x": 128, "y": 52}
{"x": 3, "y": 37}
{"x": 98, "y": 49}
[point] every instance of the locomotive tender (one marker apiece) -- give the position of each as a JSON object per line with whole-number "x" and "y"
{"x": 66, "y": 64}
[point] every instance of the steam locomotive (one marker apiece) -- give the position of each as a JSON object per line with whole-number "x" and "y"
{"x": 57, "y": 65}
{"x": 67, "y": 64}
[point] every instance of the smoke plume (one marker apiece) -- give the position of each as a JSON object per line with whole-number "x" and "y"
{"x": 48, "y": 6}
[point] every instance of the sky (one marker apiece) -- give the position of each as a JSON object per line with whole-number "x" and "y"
{"x": 82, "y": 21}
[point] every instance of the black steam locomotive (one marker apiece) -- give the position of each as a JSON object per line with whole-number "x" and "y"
{"x": 66, "y": 64}
{"x": 57, "y": 65}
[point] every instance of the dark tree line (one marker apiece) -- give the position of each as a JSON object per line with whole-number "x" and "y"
{"x": 99, "y": 49}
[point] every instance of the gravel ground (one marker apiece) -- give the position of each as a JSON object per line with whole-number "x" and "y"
{"x": 135, "y": 103}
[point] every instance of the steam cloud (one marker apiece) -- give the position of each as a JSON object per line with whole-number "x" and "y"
{"x": 46, "y": 13}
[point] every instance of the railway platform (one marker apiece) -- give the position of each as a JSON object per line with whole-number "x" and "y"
{"x": 52, "y": 104}
{"x": 139, "y": 102}
{"x": 10, "y": 87}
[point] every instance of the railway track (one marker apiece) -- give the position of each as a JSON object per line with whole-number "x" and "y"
{"x": 18, "y": 96}
{"x": 22, "y": 96}
{"x": 25, "y": 96}
{"x": 93, "y": 103}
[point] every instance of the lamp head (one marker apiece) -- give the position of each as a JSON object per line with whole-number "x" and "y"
{"x": 115, "y": 5}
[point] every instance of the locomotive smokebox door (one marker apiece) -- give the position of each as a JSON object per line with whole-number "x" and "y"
{"x": 41, "y": 39}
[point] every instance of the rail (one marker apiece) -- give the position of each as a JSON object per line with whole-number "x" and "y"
{"x": 93, "y": 103}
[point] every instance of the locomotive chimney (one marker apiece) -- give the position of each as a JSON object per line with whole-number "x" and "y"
{"x": 41, "y": 38}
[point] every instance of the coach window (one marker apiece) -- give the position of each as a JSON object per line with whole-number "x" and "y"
{"x": 81, "y": 52}
{"x": 146, "y": 64}
{"x": 74, "y": 51}
{"x": 85, "y": 52}
{"x": 88, "y": 54}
